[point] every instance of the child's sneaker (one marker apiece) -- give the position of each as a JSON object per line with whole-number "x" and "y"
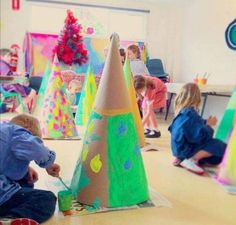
{"x": 147, "y": 131}
{"x": 18, "y": 221}
{"x": 191, "y": 165}
{"x": 153, "y": 134}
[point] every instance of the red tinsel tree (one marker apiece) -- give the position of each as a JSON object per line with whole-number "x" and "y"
{"x": 70, "y": 48}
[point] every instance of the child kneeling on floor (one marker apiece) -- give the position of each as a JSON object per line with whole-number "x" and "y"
{"x": 192, "y": 139}
{"x": 20, "y": 143}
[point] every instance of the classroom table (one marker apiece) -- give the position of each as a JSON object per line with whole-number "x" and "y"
{"x": 12, "y": 79}
{"x": 4, "y": 78}
{"x": 206, "y": 90}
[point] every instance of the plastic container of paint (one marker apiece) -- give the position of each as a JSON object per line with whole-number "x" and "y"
{"x": 64, "y": 200}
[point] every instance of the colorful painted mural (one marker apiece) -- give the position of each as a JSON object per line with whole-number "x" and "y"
{"x": 38, "y": 52}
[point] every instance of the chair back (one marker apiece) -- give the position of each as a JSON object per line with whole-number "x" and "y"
{"x": 155, "y": 67}
{"x": 35, "y": 82}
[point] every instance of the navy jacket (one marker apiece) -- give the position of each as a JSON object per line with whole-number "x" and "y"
{"x": 189, "y": 133}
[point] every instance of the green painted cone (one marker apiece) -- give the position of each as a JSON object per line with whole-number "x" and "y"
{"x": 86, "y": 99}
{"x": 110, "y": 170}
{"x": 227, "y": 121}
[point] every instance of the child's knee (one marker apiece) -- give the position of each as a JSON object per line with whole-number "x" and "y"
{"x": 50, "y": 197}
{"x": 213, "y": 160}
{"x": 50, "y": 200}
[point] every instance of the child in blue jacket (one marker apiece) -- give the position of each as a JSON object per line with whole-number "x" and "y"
{"x": 192, "y": 139}
{"x": 20, "y": 143}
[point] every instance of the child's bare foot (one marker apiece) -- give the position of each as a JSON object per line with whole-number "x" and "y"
{"x": 176, "y": 162}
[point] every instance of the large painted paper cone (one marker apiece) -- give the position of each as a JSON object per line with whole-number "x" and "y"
{"x": 86, "y": 99}
{"x": 130, "y": 84}
{"x": 227, "y": 122}
{"x": 227, "y": 172}
{"x": 227, "y": 132}
{"x": 56, "y": 117}
{"x": 110, "y": 170}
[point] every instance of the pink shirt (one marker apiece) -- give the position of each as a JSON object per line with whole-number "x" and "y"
{"x": 156, "y": 95}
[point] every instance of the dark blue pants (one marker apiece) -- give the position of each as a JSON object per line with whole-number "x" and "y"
{"x": 30, "y": 203}
{"x": 38, "y": 205}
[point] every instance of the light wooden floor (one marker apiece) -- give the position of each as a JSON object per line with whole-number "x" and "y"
{"x": 196, "y": 200}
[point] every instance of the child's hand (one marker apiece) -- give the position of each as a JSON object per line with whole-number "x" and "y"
{"x": 212, "y": 121}
{"x": 53, "y": 170}
{"x": 32, "y": 175}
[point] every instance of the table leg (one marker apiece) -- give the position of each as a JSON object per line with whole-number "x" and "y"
{"x": 204, "y": 104}
{"x": 168, "y": 105}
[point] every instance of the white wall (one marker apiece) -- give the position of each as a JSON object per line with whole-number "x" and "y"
{"x": 203, "y": 47}
{"x": 203, "y": 42}
{"x": 163, "y": 34}
{"x": 14, "y": 25}
{"x": 188, "y": 35}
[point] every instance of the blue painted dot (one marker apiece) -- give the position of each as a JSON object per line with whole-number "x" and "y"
{"x": 128, "y": 164}
{"x": 137, "y": 149}
{"x": 122, "y": 129}
{"x": 95, "y": 137}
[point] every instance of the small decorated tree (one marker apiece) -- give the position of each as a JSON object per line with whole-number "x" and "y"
{"x": 70, "y": 48}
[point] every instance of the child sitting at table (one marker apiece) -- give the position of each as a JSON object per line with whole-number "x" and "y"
{"x": 28, "y": 94}
{"x": 20, "y": 144}
{"x": 192, "y": 141}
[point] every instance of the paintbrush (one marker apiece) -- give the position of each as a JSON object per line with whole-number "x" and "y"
{"x": 64, "y": 183}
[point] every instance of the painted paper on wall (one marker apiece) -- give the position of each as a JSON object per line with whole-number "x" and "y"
{"x": 38, "y": 52}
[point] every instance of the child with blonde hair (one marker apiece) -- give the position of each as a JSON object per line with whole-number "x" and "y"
{"x": 192, "y": 139}
{"x": 20, "y": 143}
{"x": 152, "y": 91}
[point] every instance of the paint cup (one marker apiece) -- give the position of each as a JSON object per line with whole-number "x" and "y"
{"x": 64, "y": 200}
{"x": 202, "y": 81}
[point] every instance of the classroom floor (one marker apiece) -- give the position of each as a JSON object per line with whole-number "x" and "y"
{"x": 196, "y": 200}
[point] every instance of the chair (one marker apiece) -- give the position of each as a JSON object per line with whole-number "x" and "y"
{"x": 35, "y": 82}
{"x": 155, "y": 68}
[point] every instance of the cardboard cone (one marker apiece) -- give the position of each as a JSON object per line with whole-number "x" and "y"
{"x": 110, "y": 170}
{"x": 56, "y": 117}
{"x": 227, "y": 172}
{"x": 227, "y": 121}
{"x": 42, "y": 90}
{"x": 86, "y": 99}
{"x": 133, "y": 100}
